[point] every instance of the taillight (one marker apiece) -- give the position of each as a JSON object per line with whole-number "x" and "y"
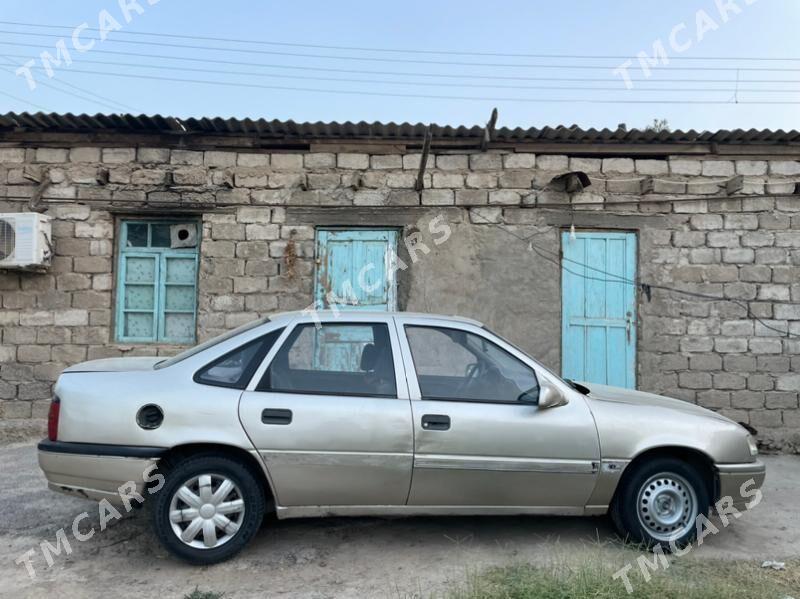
{"x": 52, "y": 419}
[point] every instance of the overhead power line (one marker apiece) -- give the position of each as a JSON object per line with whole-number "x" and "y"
{"x": 166, "y": 67}
{"x": 399, "y": 50}
{"x": 583, "y": 100}
{"x": 24, "y": 101}
{"x": 401, "y": 60}
{"x": 80, "y": 93}
{"x": 558, "y": 260}
{"x": 400, "y": 73}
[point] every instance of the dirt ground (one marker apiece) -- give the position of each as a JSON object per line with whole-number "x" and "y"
{"x": 358, "y": 558}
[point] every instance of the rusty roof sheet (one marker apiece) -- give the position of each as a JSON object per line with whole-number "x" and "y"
{"x": 289, "y": 130}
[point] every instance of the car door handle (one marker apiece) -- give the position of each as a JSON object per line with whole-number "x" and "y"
{"x": 273, "y": 416}
{"x": 436, "y": 422}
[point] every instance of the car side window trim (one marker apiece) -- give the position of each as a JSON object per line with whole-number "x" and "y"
{"x": 401, "y": 389}
{"x": 483, "y": 401}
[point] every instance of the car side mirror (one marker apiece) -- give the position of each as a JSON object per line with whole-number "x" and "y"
{"x": 550, "y": 396}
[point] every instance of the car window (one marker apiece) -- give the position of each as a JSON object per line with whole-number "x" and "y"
{"x": 210, "y": 343}
{"x": 236, "y": 368}
{"x": 334, "y": 359}
{"x": 452, "y": 364}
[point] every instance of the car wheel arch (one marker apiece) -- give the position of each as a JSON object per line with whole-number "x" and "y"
{"x": 179, "y": 452}
{"x": 698, "y": 459}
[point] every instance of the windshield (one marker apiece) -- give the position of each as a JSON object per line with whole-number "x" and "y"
{"x": 210, "y": 343}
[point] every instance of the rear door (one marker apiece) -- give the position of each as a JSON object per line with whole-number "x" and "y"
{"x": 476, "y": 443}
{"x": 333, "y": 427}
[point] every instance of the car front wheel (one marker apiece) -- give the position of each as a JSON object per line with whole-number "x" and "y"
{"x": 659, "y": 503}
{"x": 208, "y": 510}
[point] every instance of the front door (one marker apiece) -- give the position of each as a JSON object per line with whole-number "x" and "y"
{"x": 333, "y": 428}
{"x": 477, "y": 441}
{"x": 598, "y": 341}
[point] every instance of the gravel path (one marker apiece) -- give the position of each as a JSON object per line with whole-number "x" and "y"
{"x": 338, "y": 557}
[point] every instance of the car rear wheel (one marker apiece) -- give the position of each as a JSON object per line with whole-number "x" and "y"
{"x": 658, "y": 503}
{"x": 208, "y": 509}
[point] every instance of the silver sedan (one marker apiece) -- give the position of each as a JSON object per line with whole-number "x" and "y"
{"x": 358, "y": 413}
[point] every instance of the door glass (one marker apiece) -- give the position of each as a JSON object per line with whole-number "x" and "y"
{"x": 334, "y": 359}
{"x": 457, "y": 365}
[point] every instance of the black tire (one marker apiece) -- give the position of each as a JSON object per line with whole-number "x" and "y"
{"x": 681, "y": 481}
{"x": 247, "y": 487}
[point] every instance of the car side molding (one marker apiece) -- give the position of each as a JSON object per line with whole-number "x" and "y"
{"x": 101, "y": 449}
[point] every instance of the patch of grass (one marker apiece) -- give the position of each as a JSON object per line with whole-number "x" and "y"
{"x": 198, "y": 594}
{"x": 592, "y": 578}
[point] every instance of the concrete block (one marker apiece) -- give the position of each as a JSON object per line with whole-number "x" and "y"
{"x": 519, "y": 160}
{"x": 452, "y": 162}
{"x": 718, "y": 168}
{"x": 84, "y": 154}
{"x": 787, "y": 168}
{"x": 685, "y": 167}
{"x": 352, "y": 161}
{"x": 386, "y": 161}
{"x": 618, "y": 165}
{"x": 119, "y": 155}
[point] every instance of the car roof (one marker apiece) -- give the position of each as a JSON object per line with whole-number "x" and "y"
{"x": 326, "y": 315}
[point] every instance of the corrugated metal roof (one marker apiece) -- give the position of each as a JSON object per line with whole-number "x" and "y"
{"x": 288, "y": 130}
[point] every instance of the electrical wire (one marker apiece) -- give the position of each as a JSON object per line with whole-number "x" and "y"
{"x": 403, "y": 73}
{"x": 396, "y": 50}
{"x": 583, "y": 100}
{"x": 413, "y": 83}
{"x": 88, "y": 97}
{"x": 396, "y": 60}
{"x": 24, "y": 101}
{"x": 558, "y": 260}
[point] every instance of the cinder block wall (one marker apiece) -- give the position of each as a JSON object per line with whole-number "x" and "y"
{"x": 259, "y": 210}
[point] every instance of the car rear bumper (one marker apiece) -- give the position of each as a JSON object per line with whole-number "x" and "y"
{"x": 740, "y": 481}
{"x": 97, "y": 471}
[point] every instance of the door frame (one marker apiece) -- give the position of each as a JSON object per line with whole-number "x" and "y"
{"x": 389, "y": 266}
{"x": 636, "y": 290}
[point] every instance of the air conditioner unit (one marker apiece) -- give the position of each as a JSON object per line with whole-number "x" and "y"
{"x": 25, "y": 241}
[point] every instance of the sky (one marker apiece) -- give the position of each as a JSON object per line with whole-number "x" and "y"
{"x": 276, "y": 79}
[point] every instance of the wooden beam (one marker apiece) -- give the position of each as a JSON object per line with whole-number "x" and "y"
{"x": 608, "y": 149}
{"x": 423, "y": 161}
{"x": 369, "y": 216}
{"x": 488, "y": 131}
{"x": 359, "y": 148}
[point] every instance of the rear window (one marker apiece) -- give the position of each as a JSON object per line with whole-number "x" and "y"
{"x": 210, "y": 343}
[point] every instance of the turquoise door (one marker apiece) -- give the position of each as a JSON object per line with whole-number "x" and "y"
{"x": 354, "y": 272}
{"x": 598, "y": 337}
{"x": 355, "y": 269}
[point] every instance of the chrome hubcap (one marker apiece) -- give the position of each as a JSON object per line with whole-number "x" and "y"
{"x": 667, "y": 506}
{"x": 206, "y": 511}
